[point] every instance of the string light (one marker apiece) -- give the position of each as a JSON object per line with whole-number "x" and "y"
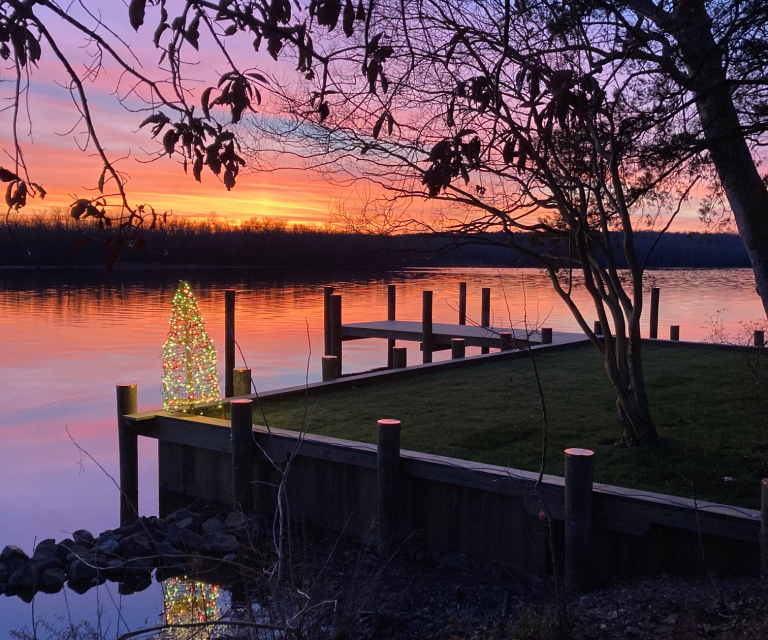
{"x": 189, "y": 358}
{"x": 187, "y": 601}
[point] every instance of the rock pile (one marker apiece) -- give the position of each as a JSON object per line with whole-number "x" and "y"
{"x": 127, "y": 555}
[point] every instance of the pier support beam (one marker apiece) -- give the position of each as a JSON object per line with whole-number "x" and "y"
{"x": 655, "y": 312}
{"x": 387, "y": 486}
{"x": 426, "y": 327}
{"x": 674, "y": 332}
{"x": 399, "y": 358}
{"x": 579, "y": 473}
{"x": 391, "y": 315}
{"x": 759, "y": 339}
{"x": 336, "y": 331}
{"x": 546, "y": 335}
{"x": 327, "y": 293}
{"x": 127, "y": 399}
{"x": 458, "y": 348}
{"x": 229, "y": 342}
{"x": 242, "y": 453}
{"x": 462, "y": 303}
{"x": 485, "y": 313}
{"x": 330, "y": 368}
{"x": 241, "y": 382}
{"x": 764, "y": 528}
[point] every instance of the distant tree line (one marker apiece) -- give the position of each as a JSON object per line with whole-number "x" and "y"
{"x": 59, "y": 241}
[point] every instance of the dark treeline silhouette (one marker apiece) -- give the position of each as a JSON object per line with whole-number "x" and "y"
{"x": 57, "y": 241}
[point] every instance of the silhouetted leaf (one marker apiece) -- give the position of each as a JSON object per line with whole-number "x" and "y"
{"x": 136, "y": 13}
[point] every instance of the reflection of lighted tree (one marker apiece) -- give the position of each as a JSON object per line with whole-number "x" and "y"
{"x": 185, "y": 601}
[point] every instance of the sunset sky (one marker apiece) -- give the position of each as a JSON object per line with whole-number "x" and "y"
{"x": 67, "y": 173}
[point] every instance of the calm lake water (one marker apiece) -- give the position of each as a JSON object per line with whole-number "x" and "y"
{"x": 68, "y": 336}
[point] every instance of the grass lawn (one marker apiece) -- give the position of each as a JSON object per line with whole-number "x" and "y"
{"x": 709, "y": 412}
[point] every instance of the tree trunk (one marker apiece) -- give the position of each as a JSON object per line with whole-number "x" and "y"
{"x": 746, "y": 192}
{"x": 634, "y": 414}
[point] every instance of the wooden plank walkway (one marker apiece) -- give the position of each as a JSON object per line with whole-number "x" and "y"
{"x": 474, "y": 336}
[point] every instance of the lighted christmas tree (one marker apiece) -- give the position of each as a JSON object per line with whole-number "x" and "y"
{"x": 189, "y": 359}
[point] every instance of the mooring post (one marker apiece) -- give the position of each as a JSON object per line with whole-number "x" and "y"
{"x": 546, "y": 335}
{"x": 655, "y": 291}
{"x": 426, "y": 326}
{"x": 336, "y": 331}
{"x": 579, "y": 473}
{"x": 399, "y": 358}
{"x": 764, "y": 528}
{"x": 462, "y": 303}
{"x": 391, "y": 307}
{"x": 327, "y": 293}
{"x": 506, "y": 341}
{"x": 241, "y": 382}
{"x": 485, "y": 312}
{"x": 387, "y": 481}
{"x": 759, "y": 338}
{"x": 598, "y": 328}
{"x": 458, "y": 348}
{"x": 229, "y": 342}
{"x": 242, "y": 453}
{"x": 128, "y": 444}
{"x": 674, "y": 332}
{"x": 330, "y": 368}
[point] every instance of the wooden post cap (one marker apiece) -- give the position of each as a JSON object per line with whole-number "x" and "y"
{"x": 576, "y": 451}
{"x": 242, "y": 401}
{"x": 764, "y": 482}
{"x": 388, "y": 422}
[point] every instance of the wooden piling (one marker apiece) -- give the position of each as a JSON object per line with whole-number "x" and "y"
{"x": 462, "y": 303}
{"x": 759, "y": 338}
{"x": 485, "y": 312}
{"x": 229, "y": 342}
{"x": 598, "y": 328}
{"x": 391, "y": 315}
{"x": 399, "y": 358}
{"x": 327, "y": 293}
{"x": 579, "y": 473}
{"x": 241, "y": 382}
{"x": 387, "y": 485}
{"x": 458, "y": 348}
{"x": 546, "y": 335}
{"x": 426, "y": 327}
{"x": 655, "y": 291}
{"x": 506, "y": 341}
{"x": 127, "y": 398}
{"x": 242, "y": 453}
{"x": 330, "y": 367}
{"x": 336, "y": 331}
{"x": 674, "y": 332}
{"x": 764, "y": 528}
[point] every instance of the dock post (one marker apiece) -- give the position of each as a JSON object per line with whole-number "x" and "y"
{"x": 674, "y": 332}
{"x": 764, "y": 528}
{"x": 387, "y": 481}
{"x": 128, "y": 443}
{"x": 241, "y": 382}
{"x": 391, "y": 306}
{"x": 242, "y": 453}
{"x": 462, "y": 303}
{"x": 546, "y": 335}
{"x": 655, "y": 291}
{"x": 336, "y": 331}
{"x": 579, "y": 473}
{"x": 399, "y": 358}
{"x": 330, "y": 368}
{"x": 458, "y": 348}
{"x": 229, "y": 342}
{"x": 598, "y": 329}
{"x": 327, "y": 293}
{"x": 506, "y": 341}
{"x": 426, "y": 326}
{"x": 759, "y": 339}
{"x": 485, "y": 313}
